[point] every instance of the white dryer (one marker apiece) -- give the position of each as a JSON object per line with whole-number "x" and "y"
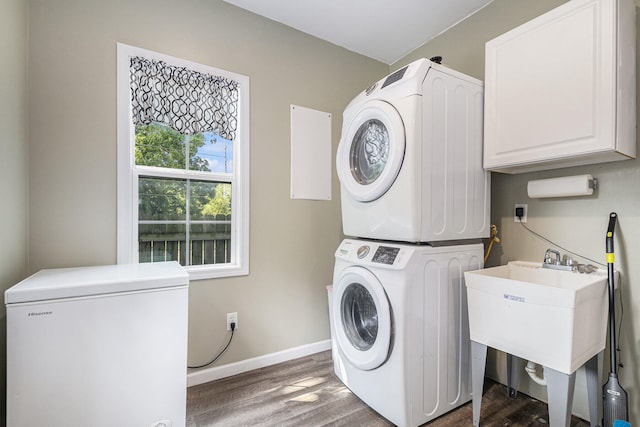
{"x": 400, "y": 326}
{"x": 410, "y": 158}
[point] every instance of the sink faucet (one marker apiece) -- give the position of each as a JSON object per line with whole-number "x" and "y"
{"x": 552, "y": 260}
{"x": 549, "y": 260}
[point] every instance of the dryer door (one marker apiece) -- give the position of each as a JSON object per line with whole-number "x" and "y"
{"x": 371, "y": 151}
{"x": 362, "y": 318}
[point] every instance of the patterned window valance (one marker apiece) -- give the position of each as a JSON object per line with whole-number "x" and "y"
{"x": 188, "y": 101}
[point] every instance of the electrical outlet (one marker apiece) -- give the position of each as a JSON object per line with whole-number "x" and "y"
{"x": 232, "y": 318}
{"x": 524, "y": 215}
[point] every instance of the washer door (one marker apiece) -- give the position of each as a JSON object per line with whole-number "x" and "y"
{"x": 362, "y": 318}
{"x": 371, "y": 151}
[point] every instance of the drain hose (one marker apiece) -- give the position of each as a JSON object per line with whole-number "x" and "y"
{"x": 533, "y": 373}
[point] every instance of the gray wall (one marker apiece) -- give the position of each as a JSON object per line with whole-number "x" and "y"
{"x": 579, "y": 224}
{"x": 282, "y": 303}
{"x": 13, "y": 158}
{"x": 72, "y": 124}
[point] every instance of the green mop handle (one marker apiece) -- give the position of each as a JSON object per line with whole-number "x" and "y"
{"x": 612, "y": 316}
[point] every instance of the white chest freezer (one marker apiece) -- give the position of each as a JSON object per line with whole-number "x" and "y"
{"x": 98, "y": 346}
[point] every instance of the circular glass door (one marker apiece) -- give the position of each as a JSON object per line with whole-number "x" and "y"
{"x": 371, "y": 151}
{"x": 359, "y": 316}
{"x": 362, "y": 318}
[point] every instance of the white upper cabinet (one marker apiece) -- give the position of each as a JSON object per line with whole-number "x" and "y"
{"x": 560, "y": 89}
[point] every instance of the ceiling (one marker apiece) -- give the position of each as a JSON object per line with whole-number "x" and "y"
{"x": 385, "y": 30}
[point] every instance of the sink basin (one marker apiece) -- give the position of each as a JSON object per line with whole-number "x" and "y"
{"x": 554, "y": 318}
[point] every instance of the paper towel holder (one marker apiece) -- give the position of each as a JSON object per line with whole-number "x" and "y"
{"x": 568, "y": 186}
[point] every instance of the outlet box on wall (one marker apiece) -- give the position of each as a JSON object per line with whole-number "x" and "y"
{"x": 232, "y": 318}
{"x": 523, "y": 206}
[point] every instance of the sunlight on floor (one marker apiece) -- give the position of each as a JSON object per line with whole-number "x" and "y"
{"x": 306, "y": 383}
{"x": 302, "y": 384}
{"x": 308, "y": 398}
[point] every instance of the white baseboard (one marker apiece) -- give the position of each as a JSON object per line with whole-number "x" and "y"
{"x": 211, "y": 374}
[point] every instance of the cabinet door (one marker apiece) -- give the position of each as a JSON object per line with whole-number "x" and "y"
{"x": 550, "y": 90}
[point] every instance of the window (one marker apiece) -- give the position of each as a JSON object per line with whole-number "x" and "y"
{"x": 183, "y": 165}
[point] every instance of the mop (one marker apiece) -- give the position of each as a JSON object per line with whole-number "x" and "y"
{"x": 615, "y": 398}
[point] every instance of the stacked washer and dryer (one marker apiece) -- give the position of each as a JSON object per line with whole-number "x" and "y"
{"x": 415, "y": 204}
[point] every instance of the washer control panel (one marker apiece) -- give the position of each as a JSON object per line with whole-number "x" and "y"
{"x": 374, "y": 253}
{"x": 385, "y": 255}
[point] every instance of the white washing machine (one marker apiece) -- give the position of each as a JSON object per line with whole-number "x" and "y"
{"x": 400, "y": 326}
{"x": 410, "y": 158}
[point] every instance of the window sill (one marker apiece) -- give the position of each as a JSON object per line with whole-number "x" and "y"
{"x": 208, "y": 272}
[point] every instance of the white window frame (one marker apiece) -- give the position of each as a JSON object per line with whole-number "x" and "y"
{"x": 128, "y": 172}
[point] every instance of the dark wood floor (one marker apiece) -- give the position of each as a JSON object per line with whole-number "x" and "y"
{"x": 305, "y": 392}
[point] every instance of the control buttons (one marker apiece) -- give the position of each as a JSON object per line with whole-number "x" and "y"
{"x": 386, "y": 255}
{"x": 363, "y": 251}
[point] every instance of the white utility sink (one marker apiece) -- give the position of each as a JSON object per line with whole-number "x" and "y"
{"x": 551, "y": 317}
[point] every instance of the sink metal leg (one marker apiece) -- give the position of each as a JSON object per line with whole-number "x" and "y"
{"x": 478, "y": 363}
{"x": 593, "y": 388}
{"x": 514, "y": 369}
{"x": 560, "y": 388}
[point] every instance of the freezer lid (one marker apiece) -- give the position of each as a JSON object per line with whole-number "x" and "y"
{"x": 99, "y": 280}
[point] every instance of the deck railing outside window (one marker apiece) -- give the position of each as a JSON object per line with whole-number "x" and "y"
{"x": 209, "y": 241}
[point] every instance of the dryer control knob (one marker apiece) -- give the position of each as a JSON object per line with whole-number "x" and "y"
{"x": 371, "y": 89}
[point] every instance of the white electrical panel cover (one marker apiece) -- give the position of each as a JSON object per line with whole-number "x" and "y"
{"x": 310, "y": 154}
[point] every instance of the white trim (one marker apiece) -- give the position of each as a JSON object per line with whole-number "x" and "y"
{"x": 196, "y": 377}
{"x": 126, "y": 170}
{"x": 125, "y": 181}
